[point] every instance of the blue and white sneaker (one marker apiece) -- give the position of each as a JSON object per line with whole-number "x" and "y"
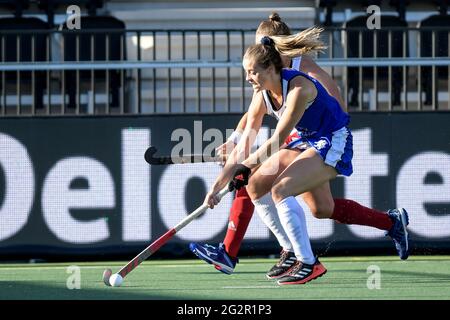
{"x": 214, "y": 255}
{"x": 398, "y": 232}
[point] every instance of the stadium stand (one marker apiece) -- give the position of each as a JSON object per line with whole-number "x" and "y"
{"x": 202, "y": 46}
{"x": 95, "y": 46}
{"x": 52, "y": 6}
{"x": 18, "y": 44}
{"x": 437, "y": 47}
{"x": 388, "y": 44}
{"x": 17, "y": 6}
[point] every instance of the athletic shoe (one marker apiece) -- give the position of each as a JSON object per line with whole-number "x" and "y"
{"x": 287, "y": 260}
{"x": 301, "y": 273}
{"x": 214, "y": 255}
{"x": 398, "y": 232}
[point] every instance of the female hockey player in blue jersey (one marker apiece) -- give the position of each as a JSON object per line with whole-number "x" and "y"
{"x": 319, "y": 200}
{"x": 322, "y": 151}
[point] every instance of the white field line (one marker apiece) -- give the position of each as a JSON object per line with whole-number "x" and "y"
{"x": 251, "y": 287}
{"x": 203, "y": 265}
{"x": 100, "y": 267}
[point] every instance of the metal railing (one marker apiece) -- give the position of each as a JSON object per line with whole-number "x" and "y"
{"x": 199, "y": 71}
{"x": 415, "y": 74}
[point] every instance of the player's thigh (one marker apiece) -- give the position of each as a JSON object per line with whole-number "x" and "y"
{"x": 307, "y": 172}
{"x": 262, "y": 179}
{"x": 320, "y": 201}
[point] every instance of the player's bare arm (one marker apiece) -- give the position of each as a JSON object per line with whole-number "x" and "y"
{"x": 315, "y": 71}
{"x": 301, "y": 93}
{"x": 255, "y": 116}
{"x": 226, "y": 148}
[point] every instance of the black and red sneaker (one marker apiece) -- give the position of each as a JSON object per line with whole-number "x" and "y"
{"x": 301, "y": 273}
{"x": 287, "y": 260}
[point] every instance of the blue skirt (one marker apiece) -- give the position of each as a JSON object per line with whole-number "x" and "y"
{"x": 336, "y": 149}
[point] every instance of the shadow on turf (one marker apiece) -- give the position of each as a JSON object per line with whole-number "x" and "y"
{"x": 428, "y": 275}
{"x": 37, "y": 291}
{"x": 218, "y": 272}
{"x": 438, "y": 276}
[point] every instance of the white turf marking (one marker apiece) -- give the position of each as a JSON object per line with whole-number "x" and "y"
{"x": 34, "y": 267}
{"x": 251, "y": 287}
{"x": 44, "y": 268}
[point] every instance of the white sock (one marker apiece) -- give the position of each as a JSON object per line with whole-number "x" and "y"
{"x": 292, "y": 217}
{"x": 265, "y": 207}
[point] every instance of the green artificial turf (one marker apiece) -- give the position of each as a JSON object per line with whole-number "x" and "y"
{"x": 420, "y": 277}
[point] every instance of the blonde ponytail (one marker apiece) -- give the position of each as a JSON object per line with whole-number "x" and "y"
{"x": 304, "y": 42}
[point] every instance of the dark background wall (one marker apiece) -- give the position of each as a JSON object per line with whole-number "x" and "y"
{"x": 77, "y": 188}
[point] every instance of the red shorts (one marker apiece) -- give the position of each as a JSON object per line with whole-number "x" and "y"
{"x": 293, "y": 136}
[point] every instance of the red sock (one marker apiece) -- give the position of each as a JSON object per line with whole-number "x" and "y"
{"x": 240, "y": 214}
{"x": 351, "y": 212}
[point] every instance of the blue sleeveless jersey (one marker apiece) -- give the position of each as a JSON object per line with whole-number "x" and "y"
{"x": 323, "y": 125}
{"x": 322, "y": 117}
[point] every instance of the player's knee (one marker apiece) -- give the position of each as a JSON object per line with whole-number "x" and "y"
{"x": 253, "y": 192}
{"x": 323, "y": 210}
{"x": 279, "y": 192}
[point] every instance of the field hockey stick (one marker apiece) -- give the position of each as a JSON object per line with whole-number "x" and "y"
{"x": 188, "y": 158}
{"x": 152, "y": 248}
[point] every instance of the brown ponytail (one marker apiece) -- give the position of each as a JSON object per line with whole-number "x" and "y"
{"x": 275, "y": 17}
{"x": 273, "y": 26}
{"x": 264, "y": 55}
